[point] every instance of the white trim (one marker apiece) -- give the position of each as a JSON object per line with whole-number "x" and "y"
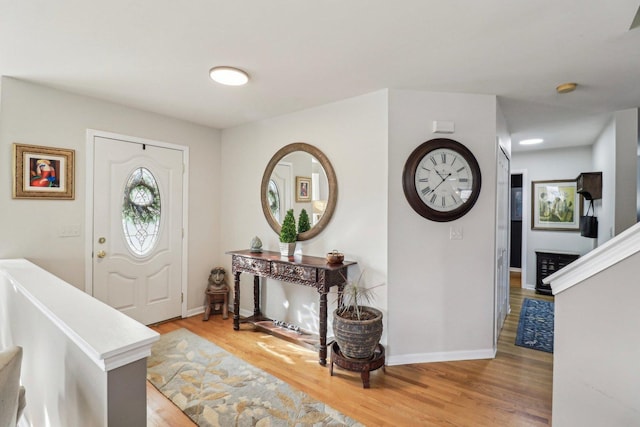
{"x": 497, "y": 237}
{"x": 448, "y": 356}
{"x": 185, "y": 229}
{"x": 195, "y": 311}
{"x": 125, "y": 356}
{"x": 246, "y": 313}
{"x": 91, "y": 135}
{"x": 609, "y": 253}
{"x": 88, "y": 213}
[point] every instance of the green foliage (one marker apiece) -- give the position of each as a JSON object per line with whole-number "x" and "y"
{"x": 137, "y": 212}
{"x": 303, "y": 222}
{"x": 353, "y": 298}
{"x": 288, "y": 232}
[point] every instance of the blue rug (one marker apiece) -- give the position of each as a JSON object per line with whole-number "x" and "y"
{"x": 535, "y": 328}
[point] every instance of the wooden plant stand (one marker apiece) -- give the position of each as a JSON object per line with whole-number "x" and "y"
{"x": 217, "y": 298}
{"x": 362, "y": 366}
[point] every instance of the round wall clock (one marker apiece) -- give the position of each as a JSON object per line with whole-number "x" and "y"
{"x": 441, "y": 179}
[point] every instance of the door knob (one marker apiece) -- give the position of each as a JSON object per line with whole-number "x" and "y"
{"x": 101, "y": 254}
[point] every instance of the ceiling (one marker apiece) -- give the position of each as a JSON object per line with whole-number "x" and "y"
{"x": 155, "y": 55}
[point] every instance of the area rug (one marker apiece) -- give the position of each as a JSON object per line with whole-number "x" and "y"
{"x": 535, "y": 328}
{"x": 215, "y": 388}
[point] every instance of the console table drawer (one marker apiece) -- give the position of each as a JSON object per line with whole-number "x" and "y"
{"x": 252, "y": 265}
{"x": 299, "y": 272}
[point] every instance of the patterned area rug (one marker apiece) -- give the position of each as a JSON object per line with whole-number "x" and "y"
{"x": 215, "y": 388}
{"x": 535, "y": 328}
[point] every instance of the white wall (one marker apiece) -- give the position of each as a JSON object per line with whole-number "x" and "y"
{"x": 604, "y": 161}
{"x": 353, "y": 135}
{"x": 441, "y": 291}
{"x": 596, "y": 381}
{"x": 34, "y": 114}
{"x": 545, "y": 165}
{"x": 626, "y": 144}
{"x": 455, "y": 312}
{"x": 615, "y": 154}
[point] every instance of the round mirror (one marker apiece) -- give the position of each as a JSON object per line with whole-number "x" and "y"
{"x": 299, "y": 176}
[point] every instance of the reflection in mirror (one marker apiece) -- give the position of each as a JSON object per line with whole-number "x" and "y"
{"x": 273, "y": 197}
{"x": 299, "y": 176}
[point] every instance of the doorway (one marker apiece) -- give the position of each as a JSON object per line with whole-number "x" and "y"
{"x": 137, "y": 201}
{"x": 516, "y": 224}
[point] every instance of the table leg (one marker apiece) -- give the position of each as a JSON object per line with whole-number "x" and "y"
{"x": 207, "y": 310}
{"x": 225, "y": 307}
{"x": 236, "y": 301}
{"x": 323, "y": 328}
{"x": 256, "y": 297}
{"x": 365, "y": 378}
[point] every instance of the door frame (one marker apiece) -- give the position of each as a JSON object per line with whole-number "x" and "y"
{"x": 497, "y": 283}
{"x": 526, "y": 209}
{"x": 89, "y": 238}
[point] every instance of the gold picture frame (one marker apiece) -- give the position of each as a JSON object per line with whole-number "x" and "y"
{"x": 303, "y": 189}
{"x": 43, "y": 172}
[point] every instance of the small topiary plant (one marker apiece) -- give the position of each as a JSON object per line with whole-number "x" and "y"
{"x": 288, "y": 232}
{"x": 303, "y": 222}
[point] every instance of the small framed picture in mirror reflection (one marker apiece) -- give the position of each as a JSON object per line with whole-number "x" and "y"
{"x": 303, "y": 189}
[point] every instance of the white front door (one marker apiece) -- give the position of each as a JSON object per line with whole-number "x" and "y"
{"x": 137, "y": 228}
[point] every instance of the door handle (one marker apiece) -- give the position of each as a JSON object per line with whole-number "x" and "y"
{"x": 101, "y": 254}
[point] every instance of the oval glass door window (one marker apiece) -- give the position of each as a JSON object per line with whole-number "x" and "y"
{"x": 141, "y": 211}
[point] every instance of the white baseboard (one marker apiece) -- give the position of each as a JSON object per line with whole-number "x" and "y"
{"x": 449, "y": 356}
{"x": 246, "y": 313}
{"x": 195, "y": 311}
{"x": 529, "y": 286}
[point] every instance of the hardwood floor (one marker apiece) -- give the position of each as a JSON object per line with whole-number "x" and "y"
{"x": 514, "y": 389}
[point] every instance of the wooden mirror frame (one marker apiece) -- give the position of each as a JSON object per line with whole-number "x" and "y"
{"x": 331, "y": 179}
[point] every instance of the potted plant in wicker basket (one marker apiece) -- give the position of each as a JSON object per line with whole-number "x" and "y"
{"x": 357, "y": 327}
{"x": 288, "y": 235}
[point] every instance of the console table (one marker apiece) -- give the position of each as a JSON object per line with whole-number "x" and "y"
{"x": 547, "y": 263}
{"x": 302, "y": 270}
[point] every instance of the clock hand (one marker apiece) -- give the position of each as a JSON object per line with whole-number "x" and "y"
{"x": 443, "y": 180}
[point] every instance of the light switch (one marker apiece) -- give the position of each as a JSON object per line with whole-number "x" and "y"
{"x": 69, "y": 230}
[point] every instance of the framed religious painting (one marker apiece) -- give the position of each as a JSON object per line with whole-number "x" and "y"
{"x": 43, "y": 172}
{"x": 555, "y": 205}
{"x": 303, "y": 189}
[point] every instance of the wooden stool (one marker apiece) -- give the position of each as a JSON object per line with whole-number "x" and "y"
{"x": 363, "y": 366}
{"x": 215, "y": 299}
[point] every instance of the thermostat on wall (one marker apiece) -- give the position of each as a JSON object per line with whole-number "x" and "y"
{"x": 441, "y": 126}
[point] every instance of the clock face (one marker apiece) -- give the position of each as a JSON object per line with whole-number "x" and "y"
{"x": 441, "y": 180}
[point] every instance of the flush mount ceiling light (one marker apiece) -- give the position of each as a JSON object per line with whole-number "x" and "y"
{"x": 531, "y": 141}
{"x": 566, "y": 87}
{"x": 229, "y": 76}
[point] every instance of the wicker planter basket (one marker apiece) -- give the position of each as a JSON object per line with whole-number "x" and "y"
{"x": 358, "y": 339}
